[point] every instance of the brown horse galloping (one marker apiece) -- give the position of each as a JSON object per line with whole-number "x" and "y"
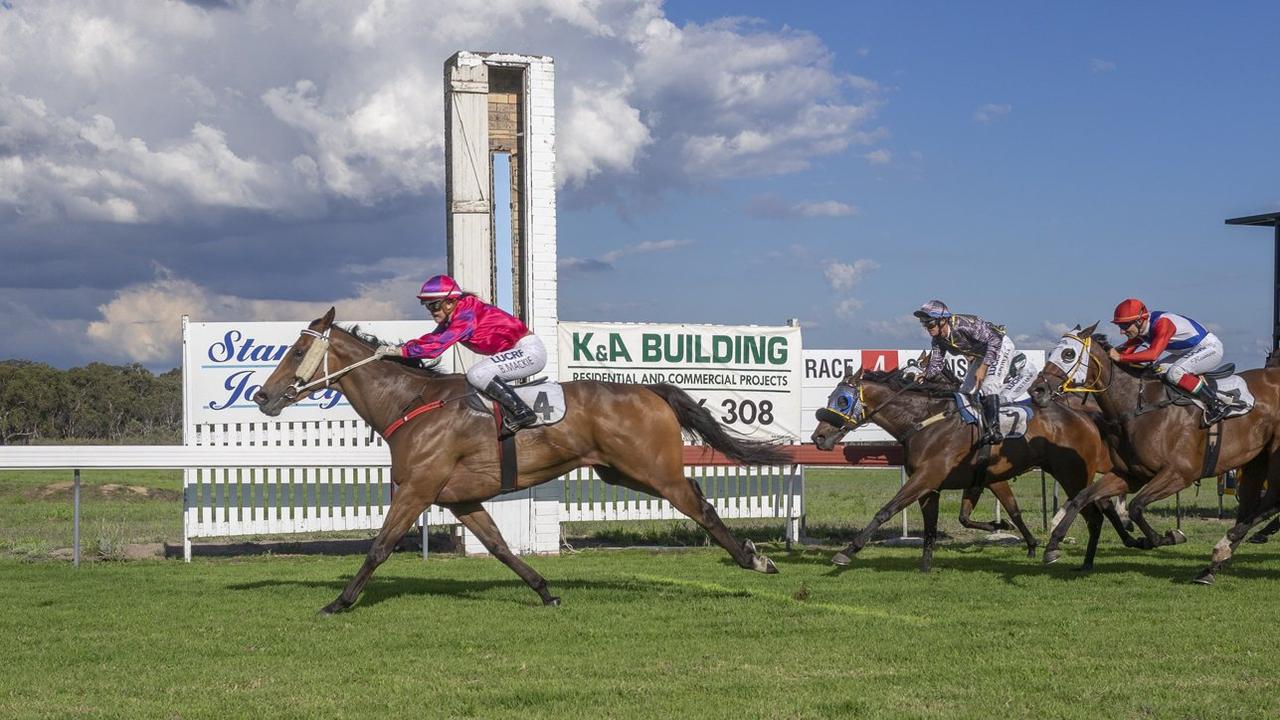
{"x": 630, "y": 434}
{"x": 940, "y": 455}
{"x": 1163, "y": 450}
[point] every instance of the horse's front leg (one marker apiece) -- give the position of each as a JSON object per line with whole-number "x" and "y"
{"x": 476, "y": 519}
{"x": 407, "y": 503}
{"x": 1166, "y": 482}
{"x": 1107, "y": 486}
{"x": 920, "y": 482}
{"x": 929, "y": 511}
{"x": 1004, "y": 494}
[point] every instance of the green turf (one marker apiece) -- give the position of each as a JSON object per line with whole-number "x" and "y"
{"x": 648, "y": 634}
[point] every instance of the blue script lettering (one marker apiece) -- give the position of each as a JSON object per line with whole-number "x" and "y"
{"x": 235, "y": 346}
{"x": 241, "y": 390}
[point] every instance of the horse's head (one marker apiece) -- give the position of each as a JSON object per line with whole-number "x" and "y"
{"x": 1074, "y": 365}
{"x": 297, "y": 368}
{"x": 845, "y": 410}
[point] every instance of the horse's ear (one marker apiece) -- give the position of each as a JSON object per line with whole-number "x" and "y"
{"x": 1076, "y": 329}
{"x": 327, "y": 320}
{"x": 1088, "y": 332}
{"x": 856, "y": 375}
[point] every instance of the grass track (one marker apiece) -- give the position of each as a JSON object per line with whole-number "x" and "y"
{"x": 654, "y": 634}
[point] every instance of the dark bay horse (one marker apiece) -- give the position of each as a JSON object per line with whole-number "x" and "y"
{"x": 1163, "y": 451}
{"x": 630, "y": 434}
{"x": 940, "y": 454}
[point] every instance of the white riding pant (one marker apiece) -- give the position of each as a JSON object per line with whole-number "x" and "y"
{"x": 1202, "y": 358}
{"x": 993, "y": 383}
{"x": 527, "y": 357}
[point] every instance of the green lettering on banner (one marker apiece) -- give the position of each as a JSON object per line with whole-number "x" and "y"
{"x": 650, "y": 347}
{"x": 721, "y": 349}
{"x": 699, "y": 356}
{"x": 618, "y": 349}
{"x": 752, "y": 350}
{"x": 580, "y": 349}
{"x": 778, "y": 350}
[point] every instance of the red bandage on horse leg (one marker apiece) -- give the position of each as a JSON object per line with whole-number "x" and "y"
{"x": 1190, "y": 383}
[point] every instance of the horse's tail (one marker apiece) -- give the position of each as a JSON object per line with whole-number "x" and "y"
{"x": 699, "y": 421}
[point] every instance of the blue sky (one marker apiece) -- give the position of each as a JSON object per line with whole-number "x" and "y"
{"x": 720, "y": 163}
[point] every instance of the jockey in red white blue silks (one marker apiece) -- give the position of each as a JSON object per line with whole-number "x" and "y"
{"x": 990, "y": 352}
{"x": 1178, "y": 348}
{"x": 513, "y": 353}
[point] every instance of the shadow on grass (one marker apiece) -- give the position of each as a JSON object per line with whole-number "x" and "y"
{"x": 382, "y": 589}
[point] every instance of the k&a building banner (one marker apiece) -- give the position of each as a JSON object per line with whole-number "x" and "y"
{"x": 749, "y": 377}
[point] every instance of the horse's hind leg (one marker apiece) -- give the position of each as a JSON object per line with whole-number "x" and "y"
{"x": 1004, "y": 494}
{"x": 920, "y": 482}
{"x": 476, "y": 519}
{"x": 1166, "y": 482}
{"x": 685, "y": 496}
{"x": 929, "y": 511}
{"x": 1259, "y": 508}
{"x": 1093, "y": 518}
{"x": 967, "y": 502}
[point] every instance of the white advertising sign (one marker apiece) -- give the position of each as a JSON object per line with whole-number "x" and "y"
{"x": 823, "y": 369}
{"x": 748, "y": 376}
{"x": 225, "y": 363}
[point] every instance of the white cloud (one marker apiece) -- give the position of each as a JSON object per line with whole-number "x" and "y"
{"x": 848, "y": 308}
{"x": 1100, "y": 66}
{"x": 844, "y": 276}
{"x": 605, "y": 263}
{"x": 825, "y": 208}
{"x": 1045, "y": 338}
{"x": 131, "y": 111}
{"x": 139, "y": 324}
{"x": 879, "y": 157}
{"x": 991, "y": 111}
{"x": 900, "y": 327}
{"x": 773, "y": 206}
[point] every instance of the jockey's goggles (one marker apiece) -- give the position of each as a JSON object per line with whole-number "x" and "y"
{"x": 435, "y": 305}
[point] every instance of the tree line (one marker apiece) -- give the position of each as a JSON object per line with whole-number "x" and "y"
{"x": 97, "y": 402}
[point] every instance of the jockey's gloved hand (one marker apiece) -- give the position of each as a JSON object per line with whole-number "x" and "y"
{"x": 388, "y": 351}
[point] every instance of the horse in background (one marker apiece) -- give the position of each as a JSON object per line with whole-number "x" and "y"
{"x": 940, "y": 454}
{"x": 1166, "y": 449}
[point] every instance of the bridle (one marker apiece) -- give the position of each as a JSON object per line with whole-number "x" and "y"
{"x": 317, "y": 355}
{"x": 849, "y": 423}
{"x": 1086, "y": 386}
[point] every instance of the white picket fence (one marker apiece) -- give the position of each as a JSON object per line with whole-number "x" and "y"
{"x": 290, "y": 478}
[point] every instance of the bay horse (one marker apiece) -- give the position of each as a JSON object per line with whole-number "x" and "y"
{"x": 940, "y": 455}
{"x": 1163, "y": 451}
{"x": 448, "y": 454}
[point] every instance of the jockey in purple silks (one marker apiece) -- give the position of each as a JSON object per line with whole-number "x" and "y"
{"x": 513, "y": 353}
{"x": 985, "y": 344}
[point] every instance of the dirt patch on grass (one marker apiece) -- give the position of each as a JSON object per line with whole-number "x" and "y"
{"x": 107, "y": 491}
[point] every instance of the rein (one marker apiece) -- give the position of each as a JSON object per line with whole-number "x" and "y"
{"x": 316, "y": 354}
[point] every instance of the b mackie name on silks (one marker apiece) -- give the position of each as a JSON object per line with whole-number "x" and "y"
{"x": 236, "y": 348}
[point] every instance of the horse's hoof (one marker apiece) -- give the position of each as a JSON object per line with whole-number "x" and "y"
{"x": 1204, "y": 578}
{"x": 749, "y": 546}
{"x": 765, "y": 565}
{"x": 552, "y": 601}
{"x": 1051, "y": 556}
{"x": 1031, "y": 550}
{"x": 1259, "y": 539}
{"x": 333, "y": 608}
{"x": 841, "y": 559}
{"x": 1176, "y": 537}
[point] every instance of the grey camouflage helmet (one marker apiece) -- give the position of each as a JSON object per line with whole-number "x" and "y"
{"x": 933, "y": 310}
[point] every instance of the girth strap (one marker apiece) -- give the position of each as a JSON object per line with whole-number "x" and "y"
{"x": 424, "y": 408}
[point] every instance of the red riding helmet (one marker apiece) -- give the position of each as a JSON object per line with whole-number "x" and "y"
{"x": 1130, "y": 310}
{"x": 440, "y": 287}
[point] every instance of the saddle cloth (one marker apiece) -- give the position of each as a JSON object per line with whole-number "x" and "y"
{"x": 1014, "y": 417}
{"x": 544, "y": 397}
{"x": 1232, "y": 390}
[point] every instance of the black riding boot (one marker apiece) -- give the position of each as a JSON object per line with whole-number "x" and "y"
{"x": 518, "y": 415}
{"x": 1214, "y": 409}
{"x": 991, "y": 419}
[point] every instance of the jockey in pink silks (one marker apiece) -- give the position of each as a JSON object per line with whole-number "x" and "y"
{"x": 513, "y": 353}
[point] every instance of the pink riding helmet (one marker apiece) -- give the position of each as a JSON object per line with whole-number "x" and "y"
{"x": 439, "y": 287}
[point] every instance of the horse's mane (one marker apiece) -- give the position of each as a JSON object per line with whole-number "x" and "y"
{"x": 373, "y": 342}
{"x": 896, "y": 381}
{"x": 1101, "y": 339}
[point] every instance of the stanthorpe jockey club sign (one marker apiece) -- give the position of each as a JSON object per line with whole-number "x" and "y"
{"x": 225, "y": 363}
{"x": 747, "y": 376}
